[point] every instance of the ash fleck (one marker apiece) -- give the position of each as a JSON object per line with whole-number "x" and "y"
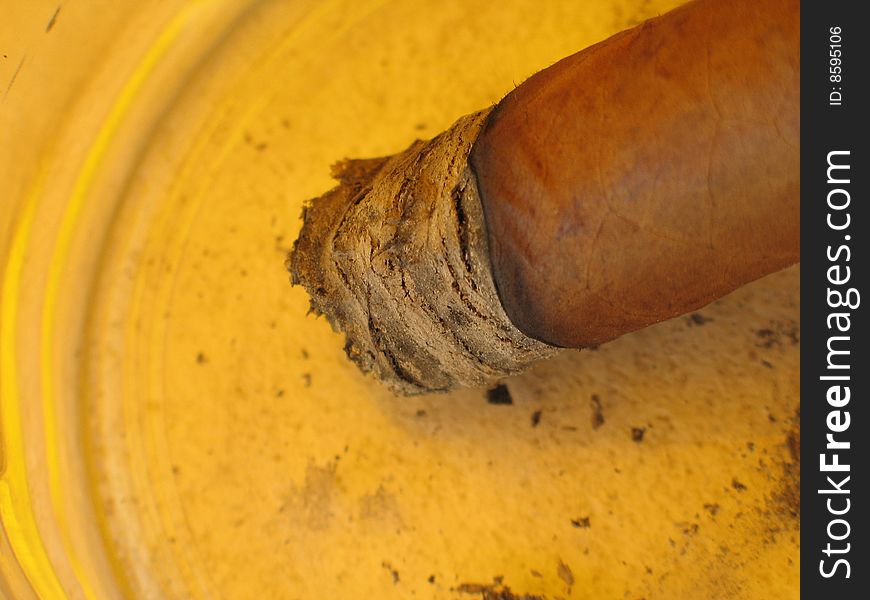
{"x": 565, "y": 574}
{"x": 499, "y": 395}
{"x": 494, "y": 592}
{"x": 597, "y": 412}
{"x": 637, "y": 434}
{"x": 697, "y": 319}
{"x": 393, "y": 572}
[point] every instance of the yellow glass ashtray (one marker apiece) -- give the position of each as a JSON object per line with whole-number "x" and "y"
{"x": 173, "y": 424}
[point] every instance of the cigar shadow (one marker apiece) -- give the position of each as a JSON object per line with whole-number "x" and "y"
{"x": 678, "y": 382}
{"x": 685, "y": 434}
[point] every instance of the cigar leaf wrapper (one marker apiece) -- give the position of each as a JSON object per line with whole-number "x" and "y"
{"x": 632, "y": 182}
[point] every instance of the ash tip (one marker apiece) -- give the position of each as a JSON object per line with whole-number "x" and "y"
{"x": 394, "y": 257}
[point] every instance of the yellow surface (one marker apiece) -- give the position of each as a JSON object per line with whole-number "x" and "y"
{"x": 174, "y": 425}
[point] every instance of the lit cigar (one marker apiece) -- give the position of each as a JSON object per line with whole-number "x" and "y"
{"x": 630, "y": 183}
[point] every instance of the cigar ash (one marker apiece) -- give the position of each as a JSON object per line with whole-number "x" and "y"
{"x": 396, "y": 258}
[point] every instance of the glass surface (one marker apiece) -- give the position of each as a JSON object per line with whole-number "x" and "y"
{"x": 174, "y": 425}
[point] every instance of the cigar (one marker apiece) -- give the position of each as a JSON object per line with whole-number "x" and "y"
{"x": 632, "y": 182}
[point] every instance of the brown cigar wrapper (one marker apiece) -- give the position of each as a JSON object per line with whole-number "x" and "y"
{"x": 627, "y": 184}
{"x": 648, "y": 175}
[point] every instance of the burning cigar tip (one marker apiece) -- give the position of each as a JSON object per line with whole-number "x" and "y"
{"x": 396, "y": 258}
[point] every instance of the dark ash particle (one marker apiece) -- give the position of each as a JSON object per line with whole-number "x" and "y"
{"x": 499, "y": 395}
{"x": 565, "y": 574}
{"x": 597, "y": 412}
{"x": 637, "y": 434}
{"x": 697, "y": 319}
